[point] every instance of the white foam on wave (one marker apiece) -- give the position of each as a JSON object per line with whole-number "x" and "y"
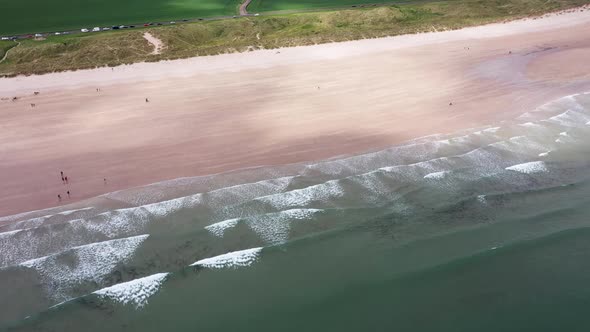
{"x": 88, "y": 263}
{"x": 9, "y": 233}
{"x": 563, "y": 137}
{"x": 115, "y": 223}
{"x": 517, "y": 138}
{"x": 219, "y": 228}
{"x": 135, "y": 292}
{"x": 519, "y": 145}
{"x": 164, "y": 208}
{"x": 27, "y": 244}
{"x": 35, "y": 242}
{"x": 525, "y": 116}
{"x": 247, "y": 191}
{"x": 27, "y": 224}
{"x": 15, "y": 217}
{"x": 482, "y": 199}
{"x": 274, "y": 228}
{"x": 491, "y": 130}
{"x": 544, "y": 154}
{"x": 233, "y": 259}
{"x": 42, "y": 240}
{"x": 436, "y": 175}
{"x": 38, "y": 221}
{"x": 133, "y": 220}
{"x": 569, "y": 118}
{"x": 301, "y": 197}
{"x": 415, "y": 149}
{"x": 68, "y": 212}
{"x": 529, "y": 168}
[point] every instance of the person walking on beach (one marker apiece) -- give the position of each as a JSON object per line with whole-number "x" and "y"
{"x": 105, "y": 181}
{"x": 147, "y": 100}
{"x": 66, "y": 179}
{"x": 68, "y": 194}
{"x": 59, "y": 197}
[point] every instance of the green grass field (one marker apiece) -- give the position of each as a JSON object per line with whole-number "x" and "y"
{"x": 30, "y": 16}
{"x": 277, "y": 5}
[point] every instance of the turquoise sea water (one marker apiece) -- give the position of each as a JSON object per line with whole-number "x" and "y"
{"x": 486, "y": 229}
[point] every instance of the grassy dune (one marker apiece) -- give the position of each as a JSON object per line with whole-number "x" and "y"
{"x": 278, "y": 5}
{"x": 233, "y": 35}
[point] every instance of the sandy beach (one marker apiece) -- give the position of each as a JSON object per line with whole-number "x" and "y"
{"x": 214, "y": 114}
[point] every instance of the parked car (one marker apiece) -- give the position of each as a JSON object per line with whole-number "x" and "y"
{"x": 5, "y": 38}
{"x": 57, "y": 33}
{"x": 37, "y": 35}
{"x": 172, "y": 22}
{"x": 158, "y": 23}
{"x": 115, "y": 27}
{"x": 106, "y": 29}
{"x": 122, "y": 27}
{"x": 95, "y": 29}
{"x": 84, "y": 30}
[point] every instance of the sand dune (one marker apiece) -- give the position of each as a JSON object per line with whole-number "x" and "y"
{"x": 213, "y": 114}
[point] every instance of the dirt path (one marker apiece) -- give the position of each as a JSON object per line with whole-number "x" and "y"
{"x": 244, "y": 7}
{"x": 158, "y": 44}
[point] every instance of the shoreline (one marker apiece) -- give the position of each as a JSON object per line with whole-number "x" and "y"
{"x": 288, "y": 105}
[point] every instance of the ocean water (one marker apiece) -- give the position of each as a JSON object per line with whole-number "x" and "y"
{"x": 485, "y": 229}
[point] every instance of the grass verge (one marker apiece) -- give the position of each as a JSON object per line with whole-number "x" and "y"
{"x": 264, "y": 32}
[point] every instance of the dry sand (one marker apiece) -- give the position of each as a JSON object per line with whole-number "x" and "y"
{"x": 212, "y": 114}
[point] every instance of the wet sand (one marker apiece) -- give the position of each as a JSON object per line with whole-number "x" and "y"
{"x": 213, "y": 114}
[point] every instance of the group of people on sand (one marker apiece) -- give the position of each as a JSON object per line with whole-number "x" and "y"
{"x": 65, "y": 181}
{"x": 33, "y": 105}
